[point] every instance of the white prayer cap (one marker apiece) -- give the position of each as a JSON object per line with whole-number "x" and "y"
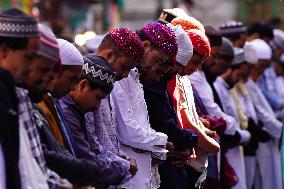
{"x": 69, "y": 54}
{"x": 257, "y": 49}
{"x": 278, "y": 38}
{"x": 185, "y": 47}
{"x": 239, "y": 56}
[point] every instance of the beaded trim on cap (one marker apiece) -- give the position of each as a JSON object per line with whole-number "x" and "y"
{"x": 15, "y": 23}
{"x": 129, "y": 42}
{"x": 162, "y": 37}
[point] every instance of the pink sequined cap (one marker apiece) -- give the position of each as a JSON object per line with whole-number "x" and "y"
{"x": 162, "y": 37}
{"x": 129, "y": 42}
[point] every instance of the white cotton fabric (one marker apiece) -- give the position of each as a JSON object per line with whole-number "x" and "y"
{"x": 69, "y": 54}
{"x": 278, "y": 38}
{"x": 257, "y": 49}
{"x": 239, "y": 56}
{"x": 178, "y": 12}
{"x": 185, "y": 47}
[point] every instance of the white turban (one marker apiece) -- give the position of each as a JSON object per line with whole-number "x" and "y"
{"x": 257, "y": 49}
{"x": 185, "y": 47}
{"x": 278, "y": 38}
{"x": 69, "y": 54}
{"x": 178, "y": 12}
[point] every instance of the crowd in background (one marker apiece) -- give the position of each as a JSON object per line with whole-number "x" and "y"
{"x": 172, "y": 105}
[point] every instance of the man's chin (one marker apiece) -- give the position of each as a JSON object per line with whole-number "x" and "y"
{"x": 36, "y": 98}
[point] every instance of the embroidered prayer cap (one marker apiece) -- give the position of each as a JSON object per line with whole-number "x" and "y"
{"x": 97, "y": 70}
{"x": 69, "y": 54}
{"x": 278, "y": 38}
{"x": 169, "y": 14}
{"x": 215, "y": 36}
{"x": 161, "y": 37}
{"x": 227, "y": 48}
{"x": 232, "y": 29}
{"x": 129, "y": 42}
{"x": 185, "y": 48}
{"x": 188, "y": 23}
{"x": 200, "y": 42}
{"x": 257, "y": 49}
{"x": 48, "y": 44}
{"x": 239, "y": 56}
{"x": 16, "y": 23}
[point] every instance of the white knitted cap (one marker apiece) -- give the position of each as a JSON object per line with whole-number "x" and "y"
{"x": 69, "y": 54}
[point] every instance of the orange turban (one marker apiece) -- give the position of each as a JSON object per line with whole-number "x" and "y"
{"x": 188, "y": 23}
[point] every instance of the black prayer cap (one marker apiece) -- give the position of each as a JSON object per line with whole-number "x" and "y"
{"x": 97, "y": 70}
{"x": 16, "y": 23}
{"x": 215, "y": 36}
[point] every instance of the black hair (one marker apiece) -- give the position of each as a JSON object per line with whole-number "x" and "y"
{"x": 107, "y": 43}
{"x": 68, "y": 67}
{"x": 13, "y": 43}
{"x": 263, "y": 29}
{"x": 93, "y": 85}
{"x": 237, "y": 66}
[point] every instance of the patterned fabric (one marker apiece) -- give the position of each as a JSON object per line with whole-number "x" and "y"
{"x": 241, "y": 115}
{"x": 232, "y": 29}
{"x": 26, "y": 118}
{"x": 103, "y": 125}
{"x": 15, "y": 23}
{"x": 48, "y": 44}
{"x": 97, "y": 70}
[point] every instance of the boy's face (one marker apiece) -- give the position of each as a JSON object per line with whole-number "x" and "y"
{"x": 90, "y": 98}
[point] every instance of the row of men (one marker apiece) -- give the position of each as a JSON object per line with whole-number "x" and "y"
{"x": 146, "y": 110}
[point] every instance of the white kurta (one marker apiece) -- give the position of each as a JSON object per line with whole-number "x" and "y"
{"x": 234, "y": 155}
{"x": 279, "y": 83}
{"x": 247, "y": 107}
{"x": 139, "y": 140}
{"x": 198, "y": 80}
{"x": 268, "y": 154}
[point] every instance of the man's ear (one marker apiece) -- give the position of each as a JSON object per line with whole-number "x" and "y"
{"x": 110, "y": 54}
{"x": 4, "y": 51}
{"x": 82, "y": 84}
{"x": 146, "y": 43}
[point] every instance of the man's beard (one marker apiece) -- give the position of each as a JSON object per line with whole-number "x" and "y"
{"x": 36, "y": 97}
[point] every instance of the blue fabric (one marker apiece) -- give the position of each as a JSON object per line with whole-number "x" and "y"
{"x": 267, "y": 87}
{"x": 64, "y": 128}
